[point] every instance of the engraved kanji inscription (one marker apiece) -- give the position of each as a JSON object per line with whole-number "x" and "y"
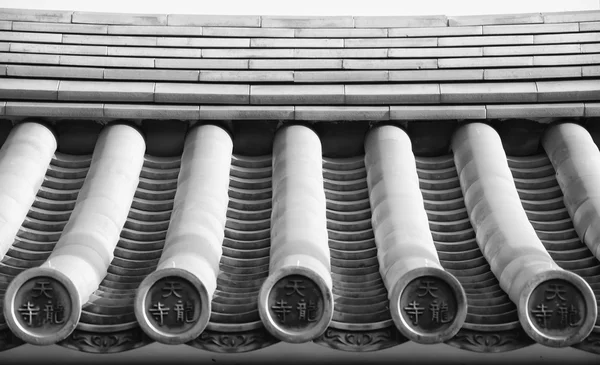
{"x": 428, "y": 304}
{"x": 173, "y": 305}
{"x": 296, "y": 303}
{"x": 557, "y": 307}
{"x": 43, "y": 305}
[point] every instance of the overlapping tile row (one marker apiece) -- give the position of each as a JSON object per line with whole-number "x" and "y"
{"x": 490, "y": 313}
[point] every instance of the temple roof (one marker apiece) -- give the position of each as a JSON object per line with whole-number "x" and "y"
{"x": 186, "y": 178}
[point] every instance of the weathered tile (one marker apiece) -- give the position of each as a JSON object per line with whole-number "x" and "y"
{"x": 154, "y": 30}
{"x": 297, "y": 94}
{"x": 58, "y": 49}
{"x": 589, "y": 26}
{"x": 485, "y": 62}
{"x": 247, "y": 76}
{"x": 106, "y": 91}
{"x": 200, "y": 63}
{"x": 531, "y": 50}
{"x": 132, "y": 111}
{"x": 572, "y": 16}
{"x": 107, "y": 61}
{"x": 590, "y": 48}
{"x": 203, "y": 42}
{"x": 485, "y": 40}
{"x": 340, "y": 32}
{"x": 29, "y": 58}
{"x": 28, "y": 89}
{"x": 433, "y": 112}
{"x": 248, "y": 32}
{"x": 400, "y": 21}
{"x": 390, "y": 42}
{"x": 532, "y": 73}
{"x": 60, "y": 27}
{"x": 566, "y": 38}
{"x": 531, "y": 28}
{"x": 569, "y": 90}
{"x": 109, "y": 40}
{"x": 59, "y": 110}
{"x": 201, "y": 93}
{"x": 296, "y": 43}
{"x": 154, "y": 52}
{"x": 58, "y": 72}
{"x": 213, "y": 20}
{"x": 505, "y": 92}
{"x": 535, "y": 110}
{"x": 30, "y": 37}
{"x": 340, "y": 53}
{"x": 436, "y": 75}
{"x": 435, "y": 52}
{"x": 390, "y": 64}
{"x": 435, "y": 31}
{"x": 529, "y": 18}
{"x": 7, "y": 25}
{"x": 242, "y": 112}
{"x": 148, "y": 74}
{"x": 393, "y": 94}
{"x": 298, "y": 64}
{"x": 579, "y": 59}
{"x": 345, "y": 113}
{"x": 35, "y": 15}
{"x": 341, "y": 76}
{"x": 592, "y": 110}
{"x": 118, "y": 18}
{"x": 247, "y": 53}
{"x": 590, "y": 71}
{"x": 307, "y": 22}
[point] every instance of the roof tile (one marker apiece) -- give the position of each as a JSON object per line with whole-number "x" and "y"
{"x": 572, "y": 16}
{"x": 297, "y": 94}
{"x": 4, "y": 47}
{"x": 531, "y": 50}
{"x": 566, "y": 59}
{"x": 202, "y": 42}
{"x": 57, "y": 72}
{"x": 60, "y": 27}
{"x": 296, "y": 64}
{"x": 28, "y": 89}
{"x": 345, "y": 113}
{"x": 3, "y": 70}
{"x": 61, "y": 110}
{"x": 341, "y": 76}
{"x": 390, "y": 42}
{"x": 393, "y": 94}
{"x": 590, "y": 71}
{"x": 201, "y": 63}
{"x": 571, "y": 90}
{"x": 118, "y": 18}
{"x": 485, "y": 62}
{"x": 530, "y": 18}
{"x": 592, "y": 109}
{"x": 131, "y": 111}
{"x": 248, "y": 53}
{"x": 531, "y": 28}
{"x": 589, "y": 26}
{"x": 532, "y": 73}
{"x": 106, "y": 61}
{"x": 339, "y": 32}
{"x": 307, "y": 22}
{"x": 58, "y": 49}
{"x": 534, "y": 110}
{"x": 148, "y": 74}
{"x": 435, "y": 31}
{"x": 35, "y": 15}
{"x": 485, "y": 40}
{"x": 435, "y": 52}
{"x": 566, "y": 38}
{"x": 430, "y": 112}
{"x": 247, "y": 76}
{"x": 296, "y": 43}
{"x": 154, "y": 52}
{"x": 341, "y": 53}
{"x": 154, "y": 30}
{"x": 215, "y": 112}
{"x": 106, "y": 91}
{"x": 590, "y": 47}
{"x": 400, "y": 21}
{"x": 435, "y": 75}
{"x": 214, "y": 20}
{"x": 506, "y": 92}
{"x": 390, "y": 64}
{"x": 248, "y": 32}
{"x": 6, "y": 25}
{"x": 109, "y": 40}
{"x": 2, "y": 108}
{"x": 201, "y": 93}
{"x": 30, "y": 37}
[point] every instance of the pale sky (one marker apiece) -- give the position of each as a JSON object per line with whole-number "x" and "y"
{"x": 310, "y": 7}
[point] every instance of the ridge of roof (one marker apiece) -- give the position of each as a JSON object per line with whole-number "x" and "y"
{"x": 286, "y": 21}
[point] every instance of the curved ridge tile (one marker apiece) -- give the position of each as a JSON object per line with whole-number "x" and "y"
{"x": 173, "y": 304}
{"x": 428, "y": 305}
{"x": 83, "y": 253}
{"x": 296, "y": 300}
{"x": 24, "y": 159}
{"x": 525, "y": 270}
